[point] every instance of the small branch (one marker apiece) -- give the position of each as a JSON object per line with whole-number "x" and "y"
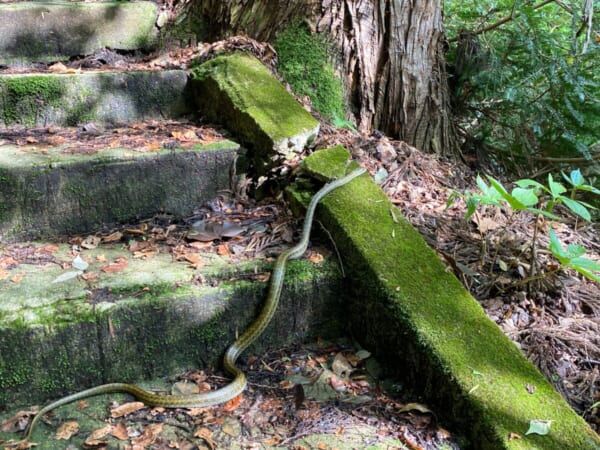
{"x": 503, "y": 21}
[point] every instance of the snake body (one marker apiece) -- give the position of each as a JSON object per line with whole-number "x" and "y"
{"x": 238, "y": 384}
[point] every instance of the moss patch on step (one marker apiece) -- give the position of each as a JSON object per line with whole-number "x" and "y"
{"x": 418, "y": 317}
{"x": 148, "y": 320}
{"x": 238, "y": 91}
{"x": 107, "y": 97}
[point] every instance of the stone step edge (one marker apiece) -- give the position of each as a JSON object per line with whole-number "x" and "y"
{"x": 47, "y": 193}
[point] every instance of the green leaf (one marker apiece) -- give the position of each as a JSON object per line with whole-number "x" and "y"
{"x": 575, "y": 178}
{"x": 543, "y": 213}
{"x": 577, "y": 208}
{"x": 513, "y": 202}
{"x": 537, "y": 426}
{"x": 555, "y": 188}
{"x": 585, "y": 263}
{"x": 526, "y": 182}
{"x": 587, "y": 274}
{"x": 575, "y": 250}
{"x": 556, "y": 247}
{"x": 526, "y": 196}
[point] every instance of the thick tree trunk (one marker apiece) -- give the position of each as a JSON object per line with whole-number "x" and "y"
{"x": 391, "y": 55}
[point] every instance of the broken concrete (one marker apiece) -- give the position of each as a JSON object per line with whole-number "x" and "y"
{"x": 239, "y": 92}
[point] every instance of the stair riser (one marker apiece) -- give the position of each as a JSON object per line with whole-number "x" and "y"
{"x": 43, "y": 31}
{"x": 44, "y": 195}
{"x": 67, "y": 100}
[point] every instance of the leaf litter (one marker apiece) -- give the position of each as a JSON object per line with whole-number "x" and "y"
{"x": 290, "y": 396}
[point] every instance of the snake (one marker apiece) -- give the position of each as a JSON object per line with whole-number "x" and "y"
{"x": 239, "y": 382}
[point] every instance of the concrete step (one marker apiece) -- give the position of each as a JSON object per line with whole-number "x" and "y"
{"x": 36, "y": 100}
{"x": 48, "y": 190}
{"x": 57, "y": 30}
{"x": 145, "y": 317}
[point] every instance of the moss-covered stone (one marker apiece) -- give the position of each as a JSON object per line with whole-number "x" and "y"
{"x": 52, "y": 192}
{"x": 238, "y": 91}
{"x": 50, "y": 31}
{"x": 420, "y": 320}
{"x": 147, "y": 320}
{"x": 104, "y": 97}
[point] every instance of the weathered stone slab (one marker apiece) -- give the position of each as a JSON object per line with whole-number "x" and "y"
{"x": 239, "y": 92}
{"x": 103, "y": 97}
{"x": 149, "y": 319}
{"x": 48, "y": 192}
{"x": 48, "y": 31}
{"x": 418, "y": 318}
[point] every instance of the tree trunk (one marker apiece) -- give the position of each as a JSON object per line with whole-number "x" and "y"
{"x": 391, "y": 56}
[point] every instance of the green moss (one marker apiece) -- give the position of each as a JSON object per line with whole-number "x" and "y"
{"x": 422, "y": 321}
{"x": 305, "y": 62}
{"x": 24, "y": 96}
{"x": 237, "y": 90}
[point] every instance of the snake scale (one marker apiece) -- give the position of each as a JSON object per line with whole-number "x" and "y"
{"x": 238, "y": 384}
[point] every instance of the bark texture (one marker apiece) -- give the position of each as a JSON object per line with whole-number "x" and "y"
{"x": 391, "y": 56}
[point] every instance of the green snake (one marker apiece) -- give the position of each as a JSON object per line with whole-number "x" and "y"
{"x": 239, "y": 382}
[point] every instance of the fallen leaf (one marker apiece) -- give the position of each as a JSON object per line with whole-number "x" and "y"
{"x": 513, "y": 436}
{"x": 120, "y": 432}
{"x": 126, "y": 408}
{"x": 316, "y": 257}
{"x": 194, "y": 259}
{"x": 18, "y": 422}
{"x": 538, "y": 426}
{"x": 91, "y": 242}
{"x": 206, "y": 435}
{"x": 149, "y": 435}
{"x": 17, "y": 278}
{"x": 58, "y": 68}
{"x": 185, "y": 388}
{"x": 66, "y": 430}
{"x": 114, "y": 237}
{"x": 223, "y": 250}
{"x": 341, "y": 366}
{"x": 232, "y": 404}
{"x": 116, "y": 266}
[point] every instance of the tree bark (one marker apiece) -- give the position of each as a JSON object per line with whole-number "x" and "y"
{"x": 391, "y": 58}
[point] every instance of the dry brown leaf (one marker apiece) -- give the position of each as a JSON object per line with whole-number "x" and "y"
{"x": 126, "y": 408}
{"x": 58, "y": 68}
{"x": 120, "y": 432}
{"x": 512, "y": 436}
{"x": 223, "y": 250}
{"x": 113, "y": 237}
{"x": 316, "y": 257}
{"x": 185, "y": 388}
{"x": 232, "y": 404}
{"x": 91, "y": 242}
{"x": 66, "y": 430}
{"x": 149, "y": 435}
{"x": 322, "y": 446}
{"x": 81, "y": 405}
{"x": 4, "y": 274}
{"x": 89, "y": 276}
{"x": 17, "y": 278}
{"x": 99, "y": 433}
{"x": 17, "y": 423}
{"x": 194, "y": 259}
{"x": 116, "y": 266}
{"x": 206, "y": 435}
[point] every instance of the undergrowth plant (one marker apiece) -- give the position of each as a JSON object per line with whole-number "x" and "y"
{"x": 532, "y": 197}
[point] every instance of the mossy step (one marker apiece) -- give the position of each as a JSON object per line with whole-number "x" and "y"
{"x": 416, "y": 316}
{"x": 47, "y": 191}
{"x": 150, "y": 318}
{"x": 238, "y": 91}
{"x": 102, "y": 97}
{"x": 57, "y": 30}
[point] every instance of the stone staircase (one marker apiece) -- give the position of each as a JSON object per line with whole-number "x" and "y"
{"x": 102, "y": 177}
{"x": 75, "y": 314}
